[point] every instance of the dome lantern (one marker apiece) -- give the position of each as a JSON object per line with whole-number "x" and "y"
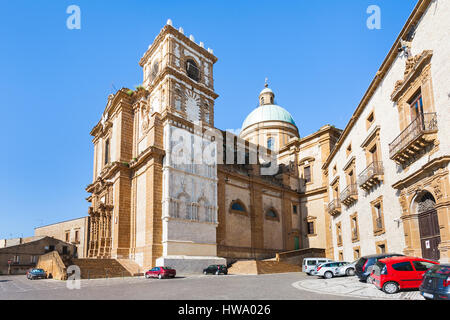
{"x": 266, "y": 96}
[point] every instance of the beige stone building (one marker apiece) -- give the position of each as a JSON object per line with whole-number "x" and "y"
{"x": 75, "y": 231}
{"x": 19, "y": 255}
{"x": 149, "y": 207}
{"x": 388, "y": 176}
{"x": 382, "y": 184}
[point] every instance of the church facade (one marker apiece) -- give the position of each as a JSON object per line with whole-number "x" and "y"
{"x": 154, "y": 202}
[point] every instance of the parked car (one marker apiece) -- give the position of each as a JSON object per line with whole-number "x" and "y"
{"x": 364, "y": 266}
{"x": 36, "y": 274}
{"x": 346, "y": 269}
{"x": 216, "y": 269}
{"x": 436, "y": 283}
{"x": 396, "y": 273}
{"x": 328, "y": 270}
{"x": 309, "y": 264}
{"x": 161, "y": 272}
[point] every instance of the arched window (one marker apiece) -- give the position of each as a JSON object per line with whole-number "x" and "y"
{"x": 192, "y": 70}
{"x": 272, "y": 214}
{"x": 238, "y": 206}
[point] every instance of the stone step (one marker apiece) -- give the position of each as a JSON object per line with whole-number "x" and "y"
{"x": 262, "y": 267}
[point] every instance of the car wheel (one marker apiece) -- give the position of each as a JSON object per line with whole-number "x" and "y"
{"x": 159, "y": 276}
{"x": 328, "y": 275}
{"x": 217, "y": 273}
{"x": 390, "y": 287}
{"x": 350, "y": 272}
{"x": 205, "y": 273}
{"x": 147, "y": 276}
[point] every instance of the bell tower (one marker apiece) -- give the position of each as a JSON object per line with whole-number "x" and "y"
{"x": 178, "y": 77}
{"x": 178, "y": 73}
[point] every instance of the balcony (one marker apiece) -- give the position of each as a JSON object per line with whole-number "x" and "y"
{"x": 418, "y": 135}
{"x": 334, "y": 207}
{"x": 371, "y": 176}
{"x": 349, "y": 195}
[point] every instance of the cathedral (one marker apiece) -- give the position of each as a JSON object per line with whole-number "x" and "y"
{"x": 169, "y": 188}
{"x": 152, "y": 201}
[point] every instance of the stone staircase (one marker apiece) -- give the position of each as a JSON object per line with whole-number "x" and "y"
{"x": 106, "y": 268}
{"x": 252, "y": 267}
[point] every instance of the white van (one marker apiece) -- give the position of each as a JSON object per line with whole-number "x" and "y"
{"x": 309, "y": 264}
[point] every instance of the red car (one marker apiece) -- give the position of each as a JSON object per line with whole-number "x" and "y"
{"x": 161, "y": 272}
{"x": 396, "y": 273}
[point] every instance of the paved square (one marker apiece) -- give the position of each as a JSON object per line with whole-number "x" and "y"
{"x": 352, "y": 287}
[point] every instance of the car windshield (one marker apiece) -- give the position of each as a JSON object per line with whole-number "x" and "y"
{"x": 441, "y": 272}
{"x": 38, "y": 270}
{"x": 361, "y": 262}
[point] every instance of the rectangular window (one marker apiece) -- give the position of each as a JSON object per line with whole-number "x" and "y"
{"x": 377, "y": 216}
{"x": 416, "y": 104}
{"x": 307, "y": 174}
{"x": 370, "y": 120}
{"x": 294, "y": 209}
{"x": 349, "y": 150}
{"x": 107, "y": 151}
{"x": 16, "y": 259}
{"x": 77, "y": 235}
{"x": 356, "y": 253}
{"x": 311, "y": 228}
{"x": 67, "y": 236}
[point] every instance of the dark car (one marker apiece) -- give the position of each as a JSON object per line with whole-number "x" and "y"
{"x": 161, "y": 272}
{"x": 36, "y": 274}
{"x": 436, "y": 283}
{"x": 216, "y": 269}
{"x": 364, "y": 266}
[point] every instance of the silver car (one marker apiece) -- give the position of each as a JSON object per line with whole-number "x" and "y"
{"x": 328, "y": 270}
{"x": 347, "y": 270}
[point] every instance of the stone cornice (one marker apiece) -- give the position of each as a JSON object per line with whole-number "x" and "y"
{"x": 168, "y": 70}
{"x": 151, "y": 151}
{"x": 120, "y": 99}
{"x": 418, "y": 63}
{"x": 167, "y": 29}
{"x": 349, "y": 163}
{"x": 371, "y": 136}
{"x": 444, "y": 160}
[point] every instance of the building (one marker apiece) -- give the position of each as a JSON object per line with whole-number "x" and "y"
{"x": 75, "y": 231}
{"x": 388, "y": 176}
{"x": 382, "y": 184}
{"x": 19, "y": 256}
{"x": 149, "y": 207}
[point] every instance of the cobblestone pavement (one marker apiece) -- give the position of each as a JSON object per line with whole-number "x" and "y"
{"x": 352, "y": 287}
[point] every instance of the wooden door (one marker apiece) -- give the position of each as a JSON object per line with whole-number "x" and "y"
{"x": 429, "y": 234}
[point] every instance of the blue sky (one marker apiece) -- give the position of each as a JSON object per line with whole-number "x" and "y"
{"x": 319, "y": 57}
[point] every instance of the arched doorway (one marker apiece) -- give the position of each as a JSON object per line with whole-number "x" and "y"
{"x": 430, "y": 236}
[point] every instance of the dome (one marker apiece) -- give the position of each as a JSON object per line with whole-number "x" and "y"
{"x": 268, "y": 112}
{"x": 266, "y": 90}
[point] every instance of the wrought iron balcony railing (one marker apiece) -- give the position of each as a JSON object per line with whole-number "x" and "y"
{"x": 371, "y": 174}
{"x": 349, "y": 194}
{"x": 334, "y": 207}
{"x": 424, "y": 123}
